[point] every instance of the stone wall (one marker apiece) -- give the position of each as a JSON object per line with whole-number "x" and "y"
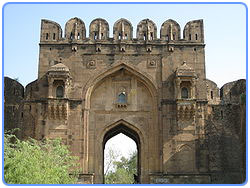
{"x": 226, "y": 133}
{"x": 13, "y": 105}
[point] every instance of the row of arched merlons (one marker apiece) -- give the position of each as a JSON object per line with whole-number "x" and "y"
{"x": 99, "y": 30}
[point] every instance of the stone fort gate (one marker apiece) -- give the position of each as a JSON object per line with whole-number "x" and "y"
{"x": 154, "y": 90}
{"x": 122, "y": 100}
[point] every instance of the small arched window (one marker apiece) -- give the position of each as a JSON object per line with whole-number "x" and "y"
{"x": 71, "y": 36}
{"x": 54, "y": 36}
{"x": 122, "y": 98}
{"x": 184, "y": 93}
{"x": 212, "y": 95}
{"x": 151, "y": 36}
{"x": 59, "y": 92}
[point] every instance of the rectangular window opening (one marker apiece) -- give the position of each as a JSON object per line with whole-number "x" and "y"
{"x": 151, "y": 35}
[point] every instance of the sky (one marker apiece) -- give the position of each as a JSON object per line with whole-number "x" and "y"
{"x": 224, "y": 27}
{"x": 121, "y": 145}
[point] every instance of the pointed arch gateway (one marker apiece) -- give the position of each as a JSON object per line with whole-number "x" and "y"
{"x": 130, "y": 131}
{"x": 137, "y": 119}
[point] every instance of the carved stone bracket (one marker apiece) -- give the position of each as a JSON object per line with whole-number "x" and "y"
{"x": 58, "y": 110}
{"x": 121, "y": 105}
{"x": 185, "y": 112}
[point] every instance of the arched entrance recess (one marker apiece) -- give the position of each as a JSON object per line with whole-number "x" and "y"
{"x": 130, "y": 131}
{"x": 139, "y": 119}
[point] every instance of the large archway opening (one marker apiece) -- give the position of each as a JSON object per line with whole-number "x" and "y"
{"x": 120, "y": 167}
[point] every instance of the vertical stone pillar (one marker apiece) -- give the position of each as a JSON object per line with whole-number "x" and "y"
{"x": 177, "y": 88}
{"x": 75, "y": 31}
{"x": 50, "y": 82}
{"x": 100, "y": 33}
{"x": 171, "y": 32}
{"x": 193, "y": 88}
{"x": 66, "y": 87}
{"x": 123, "y": 35}
{"x": 133, "y": 94}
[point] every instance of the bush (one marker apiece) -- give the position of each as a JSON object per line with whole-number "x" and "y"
{"x": 38, "y": 162}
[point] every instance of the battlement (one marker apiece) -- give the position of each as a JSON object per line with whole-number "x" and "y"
{"x": 75, "y": 31}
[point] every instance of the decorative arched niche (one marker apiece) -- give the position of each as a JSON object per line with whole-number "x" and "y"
{"x": 58, "y": 80}
{"x": 185, "y": 82}
{"x": 122, "y": 90}
{"x": 121, "y": 78}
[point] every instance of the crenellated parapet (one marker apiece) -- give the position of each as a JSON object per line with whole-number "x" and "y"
{"x": 194, "y": 31}
{"x": 50, "y": 31}
{"x": 123, "y": 30}
{"x": 146, "y": 30}
{"x": 99, "y": 29}
{"x": 170, "y": 31}
{"x": 75, "y": 30}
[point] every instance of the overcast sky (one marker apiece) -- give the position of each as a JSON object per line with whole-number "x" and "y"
{"x": 224, "y": 26}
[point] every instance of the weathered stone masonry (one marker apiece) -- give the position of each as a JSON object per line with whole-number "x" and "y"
{"x": 153, "y": 90}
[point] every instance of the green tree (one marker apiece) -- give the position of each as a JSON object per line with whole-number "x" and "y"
{"x": 124, "y": 171}
{"x": 38, "y": 162}
{"x": 110, "y": 157}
